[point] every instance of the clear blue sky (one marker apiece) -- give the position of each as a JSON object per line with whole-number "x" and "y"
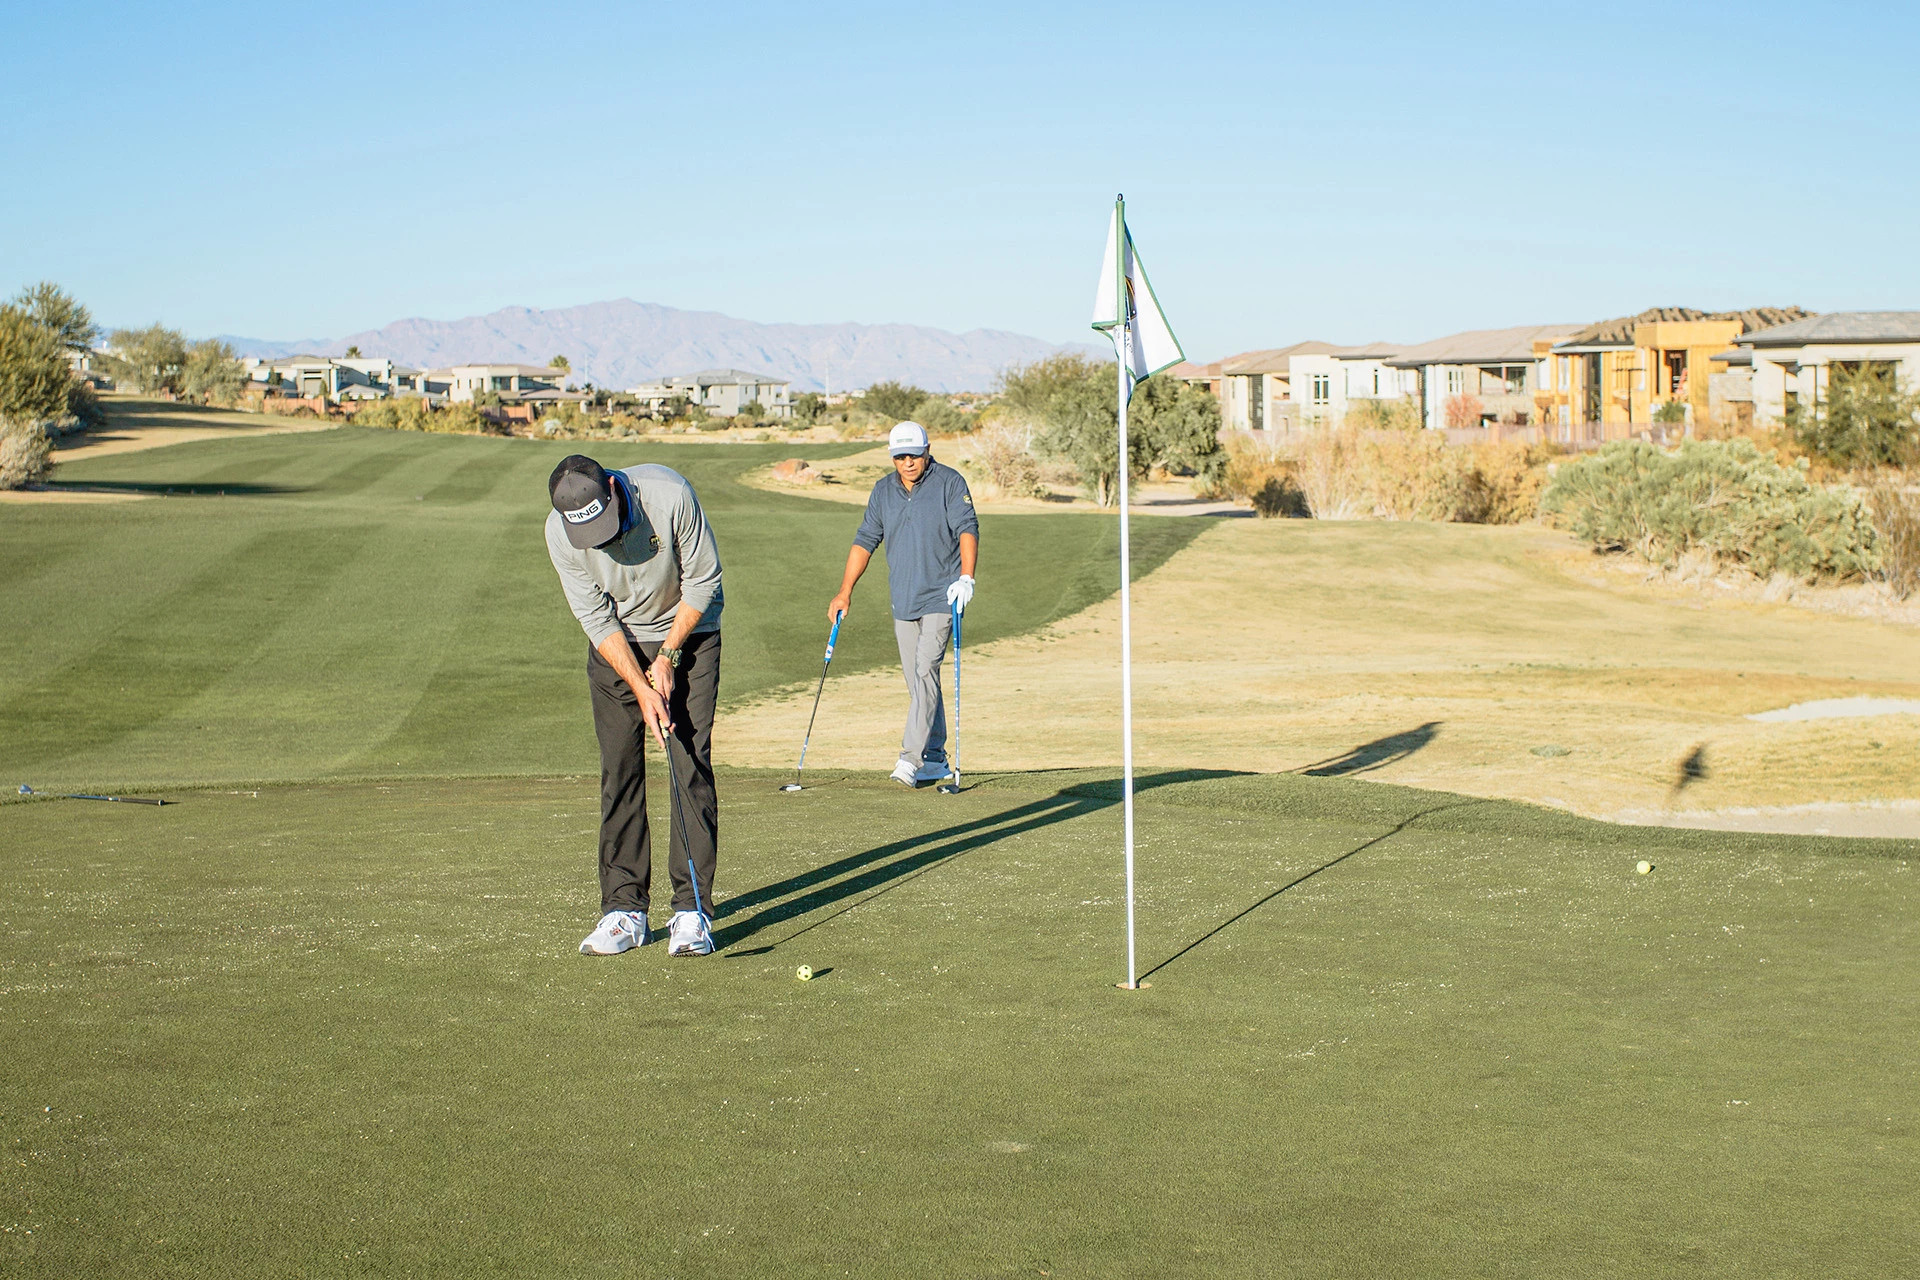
{"x": 1336, "y": 171}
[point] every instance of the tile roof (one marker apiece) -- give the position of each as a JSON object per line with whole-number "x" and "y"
{"x": 1275, "y": 359}
{"x": 1841, "y": 326}
{"x": 1481, "y": 346}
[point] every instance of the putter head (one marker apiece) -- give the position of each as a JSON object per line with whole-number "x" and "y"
{"x": 949, "y": 788}
{"x": 25, "y": 790}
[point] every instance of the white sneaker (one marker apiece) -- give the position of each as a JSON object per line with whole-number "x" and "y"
{"x": 617, "y": 931}
{"x": 905, "y": 774}
{"x": 688, "y": 935}
{"x": 933, "y": 771}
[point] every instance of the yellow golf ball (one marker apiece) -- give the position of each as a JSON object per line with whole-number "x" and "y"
{"x": 804, "y": 973}
{"x": 1642, "y": 867}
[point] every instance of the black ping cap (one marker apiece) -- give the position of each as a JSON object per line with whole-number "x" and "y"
{"x": 584, "y": 498}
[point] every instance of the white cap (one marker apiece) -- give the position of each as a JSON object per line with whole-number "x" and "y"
{"x": 907, "y": 437}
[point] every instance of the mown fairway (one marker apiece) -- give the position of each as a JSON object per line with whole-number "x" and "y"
{"x": 375, "y": 603}
{"x": 336, "y": 1026}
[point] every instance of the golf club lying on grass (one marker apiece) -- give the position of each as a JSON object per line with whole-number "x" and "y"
{"x": 832, "y": 636}
{"x": 26, "y": 790}
{"x": 952, "y": 786}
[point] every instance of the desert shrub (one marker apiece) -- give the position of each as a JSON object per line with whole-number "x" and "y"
{"x": 1462, "y": 411}
{"x": 1896, "y": 519}
{"x": 1726, "y": 500}
{"x": 83, "y": 406}
{"x": 1384, "y": 415}
{"x": 35, "y": 381}
{"x": 149, "y": 359}
{"x": 211, "y": 375}
{"x": 753, "y": 411}
{"x": 1866, "y": 420}
{"x": 1507, "y": 482}
{"x": 412, "y": 413}
{"x": 1670, "y": 413}
{"x": 1253, "y": 469}
{"x": 26, "y": 454}
{"x": 409, "y": 413}
{"x": 1171, "y": 426}
{"x": 1409, "y": 476}
{"x": 938, "y": 415}
{"x": 1327, "y": 469}
{"x": 1005, "y": 451}
{"x": 1416, "y": 475}
{"x": 893, "y": 400}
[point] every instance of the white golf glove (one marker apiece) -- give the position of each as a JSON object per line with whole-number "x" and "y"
{"x": 960, "y": 594}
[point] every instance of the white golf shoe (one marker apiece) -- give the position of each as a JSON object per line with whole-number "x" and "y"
{"x": 905, "y": 774}
{"x": 933, "y": 771}
{"x": 617, "y": 931}
{"x": 688, "y": 935}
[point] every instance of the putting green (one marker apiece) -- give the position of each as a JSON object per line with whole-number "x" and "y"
{"x": 341, "y": 1030}
{"x": 362, "y": 603}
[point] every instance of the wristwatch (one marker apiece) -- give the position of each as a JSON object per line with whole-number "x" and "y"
{"x": 672, "y": 656}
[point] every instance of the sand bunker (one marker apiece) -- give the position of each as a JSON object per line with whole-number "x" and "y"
{"x": 1840, "y": 709}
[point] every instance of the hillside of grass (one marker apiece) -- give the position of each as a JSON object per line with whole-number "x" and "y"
{"x": 356, "y": 603}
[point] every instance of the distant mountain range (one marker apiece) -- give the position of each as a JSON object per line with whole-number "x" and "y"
{"x": 623, "y": 342}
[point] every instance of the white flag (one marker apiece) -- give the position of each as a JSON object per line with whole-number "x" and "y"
{"x": 1126, "y": 309}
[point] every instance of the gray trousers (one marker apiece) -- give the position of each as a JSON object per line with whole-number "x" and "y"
{"x": 923, "y": 646}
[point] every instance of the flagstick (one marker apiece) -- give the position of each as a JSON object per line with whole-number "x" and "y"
{"x": 1126, "y": 659}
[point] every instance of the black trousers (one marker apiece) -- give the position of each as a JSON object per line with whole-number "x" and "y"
{"x": 626, "y": 844}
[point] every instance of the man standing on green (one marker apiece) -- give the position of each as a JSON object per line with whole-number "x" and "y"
{"x": 924, "y": 513}
{"x": 640, "y": 569}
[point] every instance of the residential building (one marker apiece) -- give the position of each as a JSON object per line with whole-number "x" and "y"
{"x": 721, "y": 392}
{"x": 1256, "y": 390}
{"x": 1481, "y": 376}
{"x": 511, "y": 382}
{"x": 1612, "y": 380}
{"x": 1792, "y": 363}
{"x": 1329, "y": 383}
{"x": 334, "y": 377}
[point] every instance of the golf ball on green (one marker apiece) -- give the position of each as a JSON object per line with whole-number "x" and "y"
{"x": 804, "y": 973}
{"x": 1642, "y": 867}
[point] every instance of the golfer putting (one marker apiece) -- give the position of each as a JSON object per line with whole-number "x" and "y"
{"x": 924, "y": 513}
{"x": 640, "y": 569}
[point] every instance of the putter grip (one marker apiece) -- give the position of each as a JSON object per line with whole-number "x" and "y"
{"x": 833, "y": 636}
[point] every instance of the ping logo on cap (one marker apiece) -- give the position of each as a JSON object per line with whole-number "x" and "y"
{"x": 585, "y": 513}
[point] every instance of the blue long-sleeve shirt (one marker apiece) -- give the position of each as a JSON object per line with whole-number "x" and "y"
{"x": 922, "y": 531}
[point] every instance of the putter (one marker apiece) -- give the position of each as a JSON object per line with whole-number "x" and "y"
{"x": 952, "y": 786}
{"x": 26, "y": 790}
{"x": 677, "y": 819}
{"x": 832, "y": 636}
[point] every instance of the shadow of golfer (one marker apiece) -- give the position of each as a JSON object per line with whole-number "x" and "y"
{"x": 1377, "y": 754}
{"x": 866, "y": 875}
{"x": 1362, "y": 847}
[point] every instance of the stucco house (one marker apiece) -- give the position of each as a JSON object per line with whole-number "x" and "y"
{"x": 1793, "y": 363}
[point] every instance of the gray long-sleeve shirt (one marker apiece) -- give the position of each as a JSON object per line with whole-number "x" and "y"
{"x": 666, "y": 558}
{"x": 922, "y": 531}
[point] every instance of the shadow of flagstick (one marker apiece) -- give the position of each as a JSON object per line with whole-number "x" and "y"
{"x": 1228, "y": 923}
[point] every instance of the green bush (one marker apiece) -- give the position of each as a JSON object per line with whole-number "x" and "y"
{"x": 35, "y": 379}
{"x": 412, "y": 413}
{"x": 892, "y": 400}
{"x": 1866, "y": 420}
{"x": 1724, "y": 498}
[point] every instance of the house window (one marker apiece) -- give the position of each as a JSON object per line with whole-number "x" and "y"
{"x": 1676, "y": 368}
{"x": 1322, "y": 388}
{"x": 1566, "y": 373}
{"x": 1376, "y": 382}
{"x": 1456, "y": 381}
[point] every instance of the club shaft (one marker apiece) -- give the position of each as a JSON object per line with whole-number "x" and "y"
{"x": 833, "y": 638}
